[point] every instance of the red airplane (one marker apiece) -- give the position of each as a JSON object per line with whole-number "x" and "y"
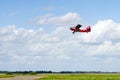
{"x": 76, "y": 29}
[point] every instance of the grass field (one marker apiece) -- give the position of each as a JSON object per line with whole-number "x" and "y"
{"x": 82, "y": 77}
{"x": 67, "y": 76}
{"x": 5, "y": 76}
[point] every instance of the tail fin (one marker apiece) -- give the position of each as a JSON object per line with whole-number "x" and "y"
{"x": 88, "y": 29}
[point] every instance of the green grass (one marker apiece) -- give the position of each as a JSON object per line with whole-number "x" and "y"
{"x": 82, "y": 77}
{"x": 5, "y": 76}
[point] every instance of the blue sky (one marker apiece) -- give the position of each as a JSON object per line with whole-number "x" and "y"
{"x": 35, "y": 35}
{"x": 20, "y": 12}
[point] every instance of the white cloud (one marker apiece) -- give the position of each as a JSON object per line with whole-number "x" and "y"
{"x": 22, "y": 43}
{"x": 105, "y": 38}
{"x": 67, "y": 19}
{"x": 103, "y": 30}
{"x": 21, "y": 46}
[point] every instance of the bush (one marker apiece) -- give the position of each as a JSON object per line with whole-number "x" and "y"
{"x": 32, "y": 73}
{"x": 9, "y": 73}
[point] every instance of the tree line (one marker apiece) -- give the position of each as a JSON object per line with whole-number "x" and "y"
{"x": 42, "y": 72}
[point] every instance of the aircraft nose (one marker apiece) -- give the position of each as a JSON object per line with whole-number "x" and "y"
{"x": 70, "y": 28}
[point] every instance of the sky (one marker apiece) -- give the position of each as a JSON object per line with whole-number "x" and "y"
{"x": 35, "y": 35}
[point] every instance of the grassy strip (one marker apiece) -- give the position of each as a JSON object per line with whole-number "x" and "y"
{"x": 6, "y": 76}
{"x": 82, "y": 77}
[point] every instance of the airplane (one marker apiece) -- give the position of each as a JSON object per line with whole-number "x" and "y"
{"x": 76, "y": 29}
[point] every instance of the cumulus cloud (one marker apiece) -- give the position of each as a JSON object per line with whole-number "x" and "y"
{"x": 22, "y": 43}
{"x": 21, "y": 46}
{"x": 69, "y": 18}
{"x": 104, "y": 37}
{"x": 103, "y": 30}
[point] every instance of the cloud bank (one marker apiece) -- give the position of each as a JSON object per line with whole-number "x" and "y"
{"x": 28, "y": 49}
{"x": 67, "y": 19}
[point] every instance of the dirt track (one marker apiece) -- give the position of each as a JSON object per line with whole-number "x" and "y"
{"x": 22, "y": 78}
